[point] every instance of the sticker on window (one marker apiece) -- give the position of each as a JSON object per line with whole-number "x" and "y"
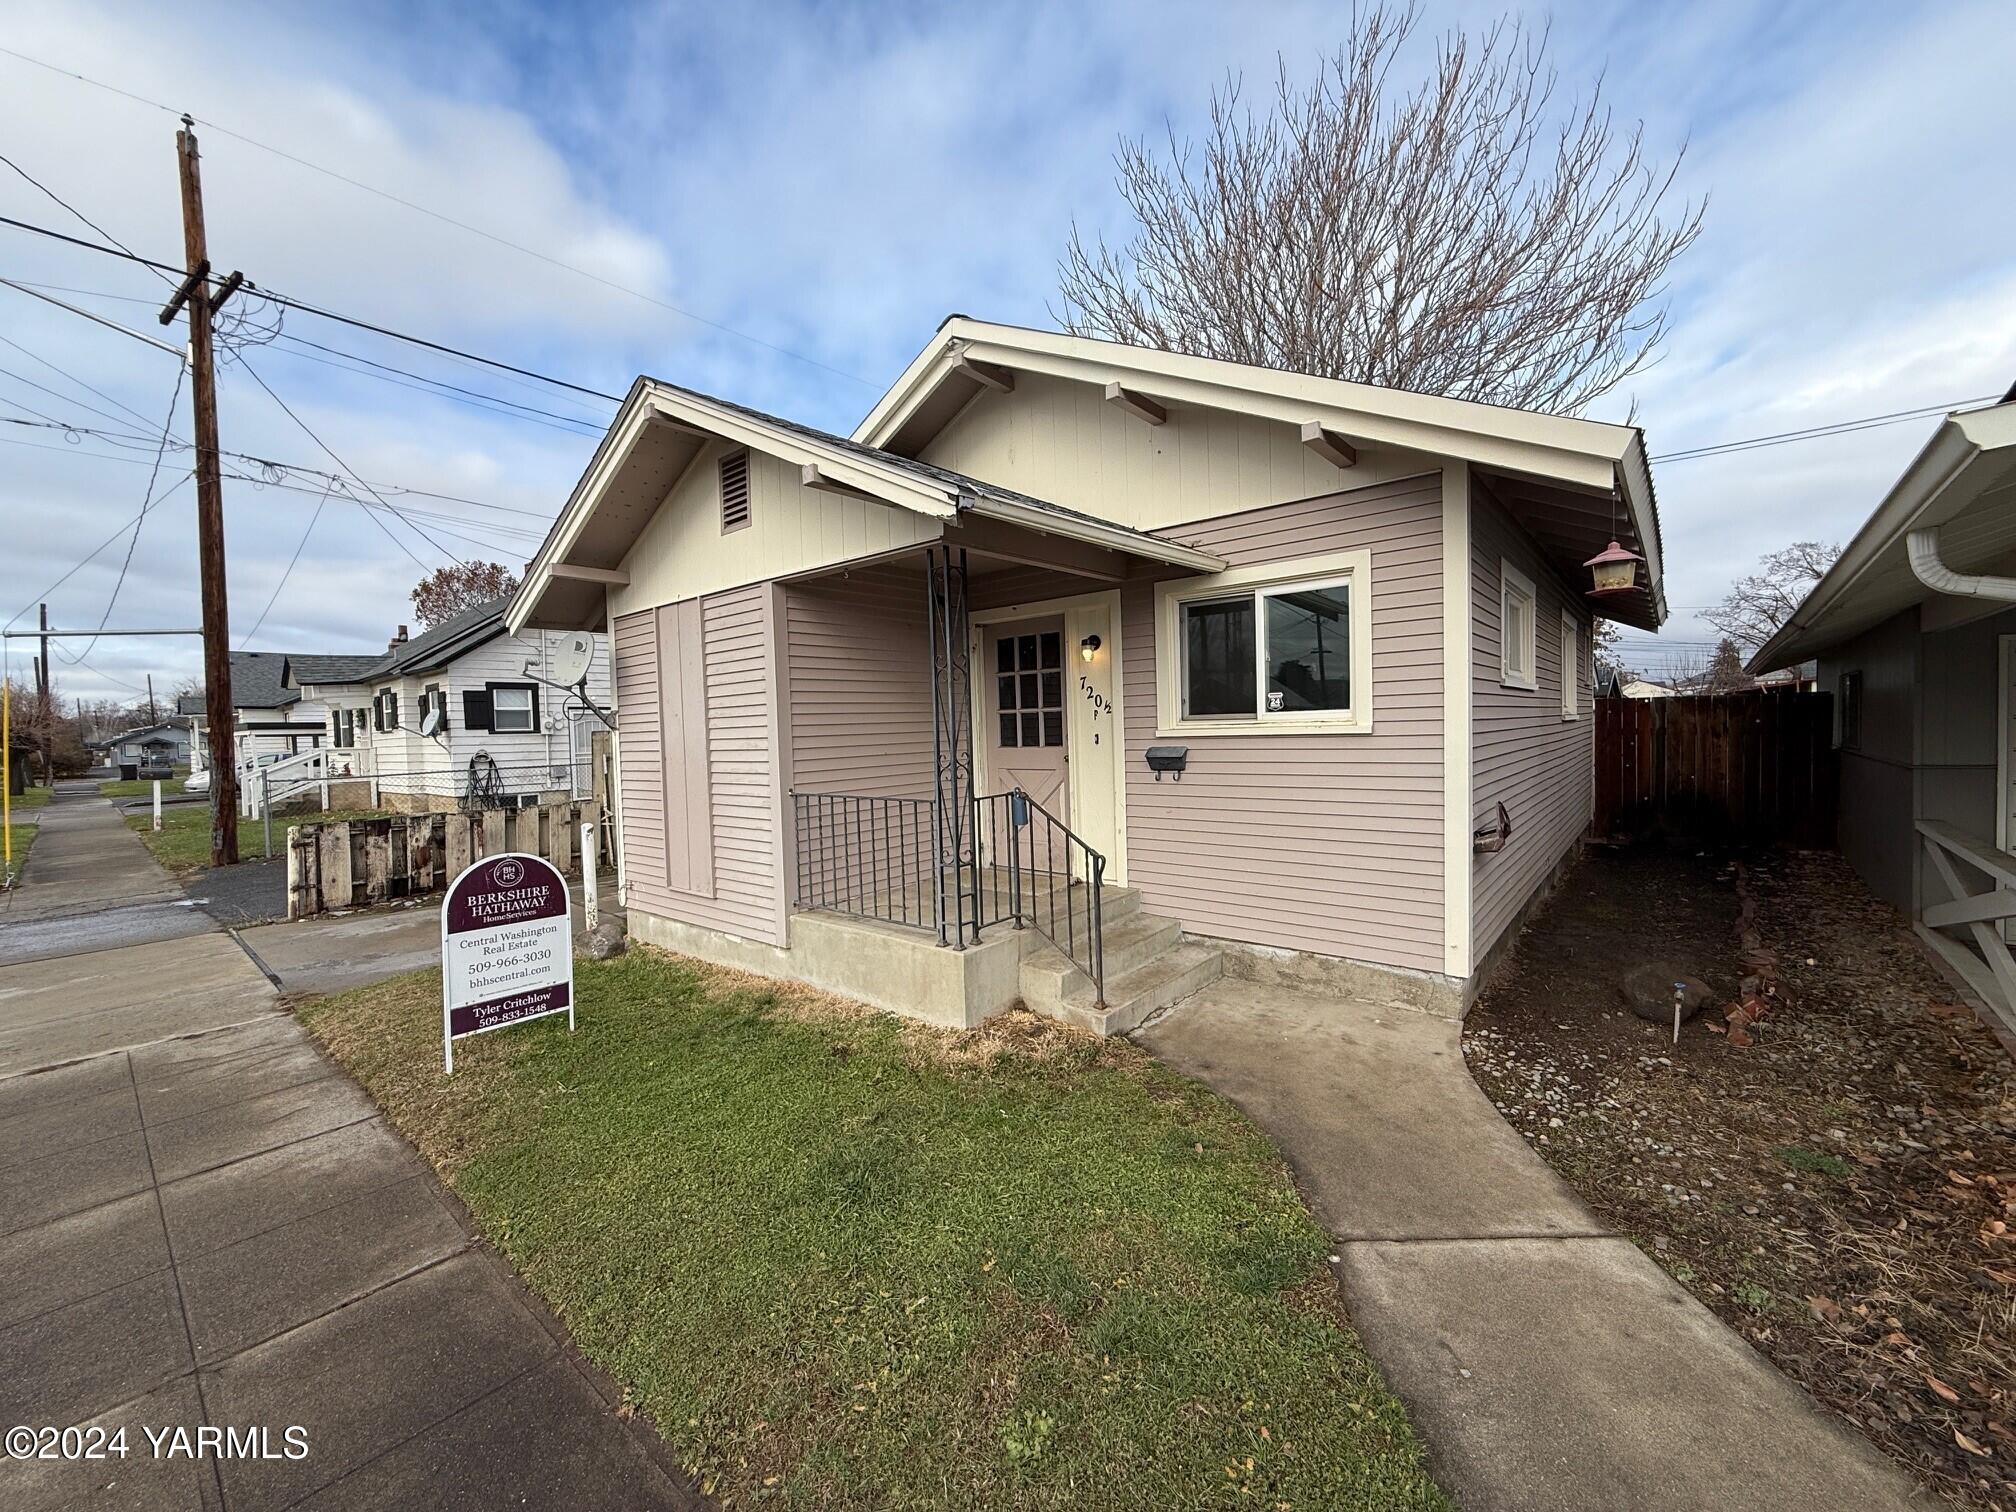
{"x": 1275, "y": 702}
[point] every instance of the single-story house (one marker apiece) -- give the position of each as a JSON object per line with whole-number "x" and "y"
{"x": 270, "y": 721}
{"x": 1914, "y": 628}
{"x": 1296, "y": 671}
{"x": 168, "y": 741}
{"x": 1638, "y": 687}
{"x": 500, "y": 730}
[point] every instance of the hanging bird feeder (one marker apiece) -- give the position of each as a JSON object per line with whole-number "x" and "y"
{"x": 1615, "y": 571}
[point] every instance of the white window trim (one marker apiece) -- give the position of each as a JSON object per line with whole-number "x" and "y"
{"x": 1350, "y": 568}
{"x": 531, "y": 718}
{"x": 1509, "y": 578}
{"x": 1571, "y": 666}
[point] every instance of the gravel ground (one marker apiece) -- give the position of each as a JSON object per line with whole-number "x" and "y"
{"x": 252, "y": 892}
{"x": 1841, "y": 1189}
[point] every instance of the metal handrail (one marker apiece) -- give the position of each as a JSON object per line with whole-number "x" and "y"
{"x": 1033, "y": 905}
{"x": 890, "y": 860}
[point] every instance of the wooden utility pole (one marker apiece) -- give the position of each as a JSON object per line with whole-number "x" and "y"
{"x": 43, "y": 720}
{"x": 195, "y": 297}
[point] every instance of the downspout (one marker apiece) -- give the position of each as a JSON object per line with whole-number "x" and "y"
{"x": 1926, "y": 565}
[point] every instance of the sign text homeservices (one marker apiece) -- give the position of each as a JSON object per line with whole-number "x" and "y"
{"x": 507, "y": 948}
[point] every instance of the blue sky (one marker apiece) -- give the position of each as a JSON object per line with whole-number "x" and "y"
{"x": 833, "y": 180}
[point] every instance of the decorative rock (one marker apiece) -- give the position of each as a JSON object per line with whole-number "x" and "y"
{"x": 1648, "y": 992}
{"x": 607, "y": 940}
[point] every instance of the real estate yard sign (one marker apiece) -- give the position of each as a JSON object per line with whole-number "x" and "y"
{"x": 507, "y": 948}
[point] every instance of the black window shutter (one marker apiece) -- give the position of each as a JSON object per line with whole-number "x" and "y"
{"x": 378, "y": 712}
{"x": 476, "y": 711}
{"x": 535, "y": 707}
{"x": 392, "y": 710}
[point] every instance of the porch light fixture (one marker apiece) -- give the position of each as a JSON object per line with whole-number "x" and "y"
{"x": 1615, "y": 571}
{"x": 1089, "y": 647}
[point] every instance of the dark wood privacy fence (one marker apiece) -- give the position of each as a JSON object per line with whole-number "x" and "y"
{"x": 1753, "y": 766}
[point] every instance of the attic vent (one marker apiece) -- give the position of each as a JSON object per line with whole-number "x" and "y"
{"x": 734, "y": 491}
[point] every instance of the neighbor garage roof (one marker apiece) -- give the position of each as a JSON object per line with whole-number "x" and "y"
{"x": 1963, "y": 484}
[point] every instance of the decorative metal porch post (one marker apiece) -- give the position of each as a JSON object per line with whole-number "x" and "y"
{"x": 951, "y": 745}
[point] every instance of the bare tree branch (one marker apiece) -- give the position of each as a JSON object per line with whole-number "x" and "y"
{"x": 1755, "y": 609}
{"x": 1463, "y": 239}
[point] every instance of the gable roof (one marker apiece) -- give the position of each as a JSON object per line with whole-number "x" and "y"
{"x": 257, "y": 680}
{"x": 428, "y": 651}
{"x": 899, "y": 481}
{"x": 1590, "y": 478}
{"x": 1961, "y": 484}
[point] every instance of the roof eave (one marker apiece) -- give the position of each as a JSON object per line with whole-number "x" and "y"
{"x": 1950, "y": 450}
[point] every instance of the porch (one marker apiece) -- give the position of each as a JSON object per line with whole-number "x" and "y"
{"x": 1967, "y": 924}
{"x": 950, "y": 731}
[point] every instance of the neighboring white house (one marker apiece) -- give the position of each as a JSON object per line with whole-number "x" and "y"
{"x": 502, "y": 731}
{"x": 1638, "y": 688}
{"x": 272, "y": 721}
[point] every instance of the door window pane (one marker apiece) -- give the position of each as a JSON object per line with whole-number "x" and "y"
{"x": 1032, "y": 729}
{"x": 1218, "y": 659}
{"x": 1004, "y": 655}
{"x": 1053, "y": 649}
{"x": 1007, "y": 729}
{"x": 1031, "y": 697}
{"x": 1005, "y": 686}
{"x": 1308, "y": 649}
{"x": 1025, "y": 649}
{"x": 1053, "y": 690}
{"x": 1053, "y": 728}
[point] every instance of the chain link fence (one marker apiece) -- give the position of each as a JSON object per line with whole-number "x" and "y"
{"x": 477, "y": 784}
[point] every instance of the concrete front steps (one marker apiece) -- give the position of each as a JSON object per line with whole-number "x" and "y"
{"x": 1149, "y": 965}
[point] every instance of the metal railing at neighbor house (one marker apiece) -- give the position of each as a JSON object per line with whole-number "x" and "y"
{"x": 1013, "y": 862}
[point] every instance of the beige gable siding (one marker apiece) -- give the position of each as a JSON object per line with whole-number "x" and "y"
{"x": 1060, "y": 440}
{"x": 1523, "y": 753}
{"x": 739, "y": 886}
{"x": 858, "y": 684}
{"x": 684, "y": 553}
{"x": 1325, "y": 843}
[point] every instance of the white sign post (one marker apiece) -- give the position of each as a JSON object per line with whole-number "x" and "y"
{"x": 507, "y": 948}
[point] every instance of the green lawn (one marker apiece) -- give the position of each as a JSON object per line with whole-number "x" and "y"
{"x": 845, "y": 1261}
{"x": 184, "y": 841}
{"x": 143, "y": 788}
{"x": 32, "y": 798}
{"x": 23, "y": 837}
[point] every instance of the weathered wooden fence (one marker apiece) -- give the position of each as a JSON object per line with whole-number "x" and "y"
{"x": 1755, "y": 766}
{"x": 353, "y": 862}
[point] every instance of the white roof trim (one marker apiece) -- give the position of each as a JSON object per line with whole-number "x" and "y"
{"x": 1591, "y": 456}
{"x": 1922, "y": 497}
{"x": 889, "y": 483}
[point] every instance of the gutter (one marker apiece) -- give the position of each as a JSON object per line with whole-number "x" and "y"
{"x": 1931, "y": 570}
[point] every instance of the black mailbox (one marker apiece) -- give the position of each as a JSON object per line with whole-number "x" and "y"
{"x": 1168, "y": 759}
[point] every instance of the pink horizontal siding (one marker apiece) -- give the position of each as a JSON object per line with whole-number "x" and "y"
{"x": 1324, "y": 843}
{"x": 746, "y": 896}
{"x": 1523, "y": 753}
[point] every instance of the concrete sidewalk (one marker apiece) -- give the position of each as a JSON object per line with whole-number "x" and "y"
{"x": 1546, "y": 1361}
{"x": 204, "y": 1221}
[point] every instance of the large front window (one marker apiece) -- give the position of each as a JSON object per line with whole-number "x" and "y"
{"x": 1268, "y": 648}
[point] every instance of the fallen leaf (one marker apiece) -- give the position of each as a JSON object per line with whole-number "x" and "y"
{"x": 1940, "y": 1389}
{"x": 1968, "y": 1444}
{"x": 1825, "y": 1308}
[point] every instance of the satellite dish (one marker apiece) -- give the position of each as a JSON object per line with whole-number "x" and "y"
{"x": 572, "y": 656}
{"x": 430, "y": 723}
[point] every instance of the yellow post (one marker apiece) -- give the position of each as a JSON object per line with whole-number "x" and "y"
{"x": 6, "y": 774}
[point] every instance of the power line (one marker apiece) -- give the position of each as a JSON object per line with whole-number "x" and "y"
{"x": 308, "y": 309}
{"x": 254, "y": 376}
{"x": 139, "y": 520}
{"x": 450, "y": 220}
{"x": 1813, "y": 432}
{"x": 299, "y": 546}
{"x": 52, "y": 194}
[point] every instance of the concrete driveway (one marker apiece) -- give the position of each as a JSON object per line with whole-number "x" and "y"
{"x": 1546, "y": 1361}
{"x": 203, "y": 1222}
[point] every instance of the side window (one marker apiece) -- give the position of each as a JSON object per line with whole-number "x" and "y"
{"x": 1516, "y": 605}
{"x": 1571, "y": 667}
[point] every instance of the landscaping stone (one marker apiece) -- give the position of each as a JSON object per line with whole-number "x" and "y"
{"x": 607, "y": 939}
{"x": 1648, "y": 992}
